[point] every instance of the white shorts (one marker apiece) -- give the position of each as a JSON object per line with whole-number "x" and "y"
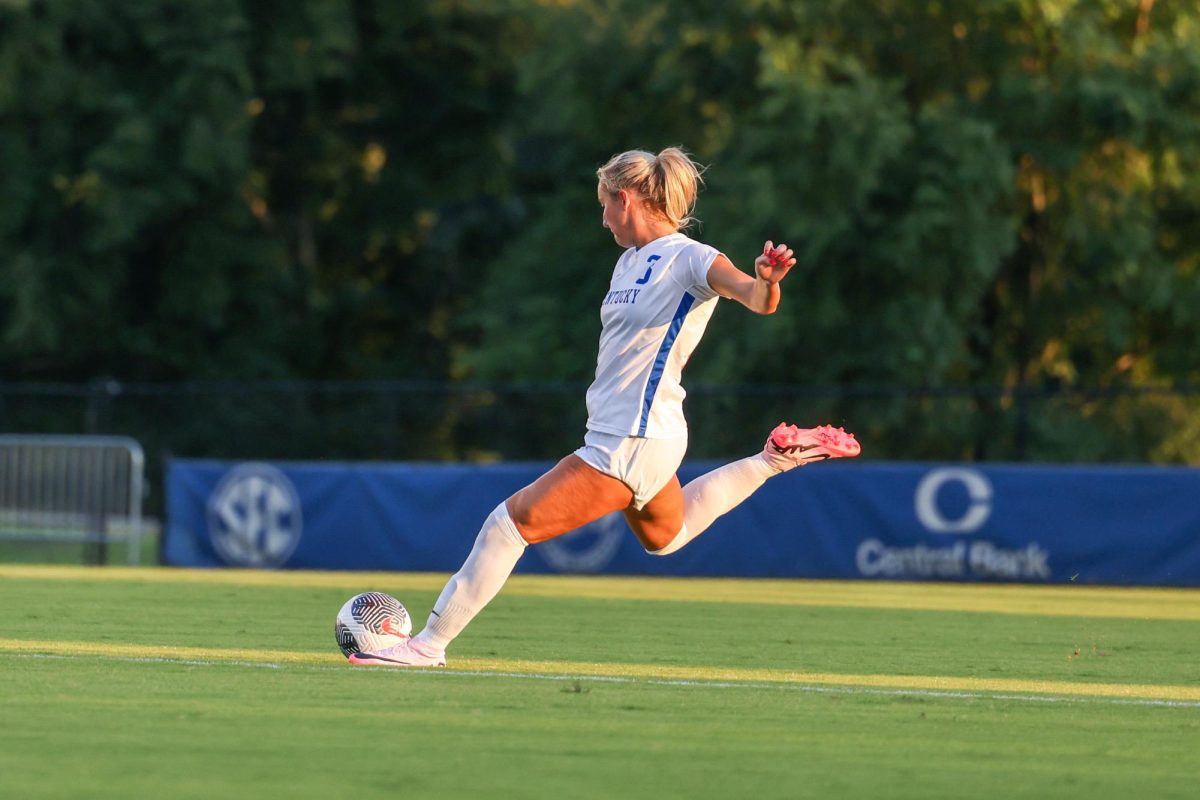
{"x": 644, "y": 465}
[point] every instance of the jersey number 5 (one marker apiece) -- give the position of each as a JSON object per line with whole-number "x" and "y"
{"x": 646, "y": 278}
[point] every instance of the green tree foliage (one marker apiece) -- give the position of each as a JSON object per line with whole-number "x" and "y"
{"x": 238, "y": 189}
{"x": 994, "y": 194}
{"x": 989, "y": 194}
{"x": 122, "y": 141}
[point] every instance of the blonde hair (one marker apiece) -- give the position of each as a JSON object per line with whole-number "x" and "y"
{"x": 668, "y": 182}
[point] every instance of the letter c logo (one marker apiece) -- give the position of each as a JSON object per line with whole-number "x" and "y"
{"x": 979, "y": 489}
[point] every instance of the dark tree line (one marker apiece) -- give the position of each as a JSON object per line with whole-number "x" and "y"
{"x": 999, "y": 195}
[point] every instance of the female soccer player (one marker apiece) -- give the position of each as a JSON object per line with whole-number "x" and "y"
{"x": 663, "y": 292}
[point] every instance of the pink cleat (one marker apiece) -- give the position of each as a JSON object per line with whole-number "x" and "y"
{"x": 789, "y": 446}
{"x": 405, "y": 654}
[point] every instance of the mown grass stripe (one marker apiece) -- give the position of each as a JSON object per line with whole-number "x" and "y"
{"x": 1068, "y": 601}
{"x": 801, "y": 687}
{"x": 939, "y": 683}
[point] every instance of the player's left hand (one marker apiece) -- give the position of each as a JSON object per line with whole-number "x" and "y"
{"x": 774, "y": 263}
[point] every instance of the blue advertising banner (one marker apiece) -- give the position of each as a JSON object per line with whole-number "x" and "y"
{"x": 889, "y": 521}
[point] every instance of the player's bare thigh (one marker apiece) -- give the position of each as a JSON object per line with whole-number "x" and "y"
{"x": 660, "y": 520}
{"x": 570, "y": 495}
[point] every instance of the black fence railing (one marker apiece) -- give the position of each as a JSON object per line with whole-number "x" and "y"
{"x": 424, "y": 421}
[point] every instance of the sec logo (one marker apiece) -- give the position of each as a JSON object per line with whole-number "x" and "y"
{"x": 254, "y": 517}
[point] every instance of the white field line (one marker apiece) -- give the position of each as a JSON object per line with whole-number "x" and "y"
{"x": 642, "y": 681}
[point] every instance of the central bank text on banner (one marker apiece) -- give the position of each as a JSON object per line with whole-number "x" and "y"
{"x": 889, "y": 521}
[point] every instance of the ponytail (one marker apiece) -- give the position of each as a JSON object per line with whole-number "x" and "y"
{"x": 668, "y": 182}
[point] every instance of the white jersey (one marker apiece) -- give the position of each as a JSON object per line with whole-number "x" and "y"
{"x": 656, "y": 310}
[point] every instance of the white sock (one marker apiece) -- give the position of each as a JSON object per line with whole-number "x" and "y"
{"x": 716, "y": 493}
{"x": 497, "y": 550}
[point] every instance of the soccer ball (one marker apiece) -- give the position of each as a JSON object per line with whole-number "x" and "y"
{"x": 371, "y": 621}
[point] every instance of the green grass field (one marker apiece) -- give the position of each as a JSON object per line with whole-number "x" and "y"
{"x": 131, "y": 683}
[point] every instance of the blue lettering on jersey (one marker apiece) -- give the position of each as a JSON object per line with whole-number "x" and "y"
{"x": 621, "y": 297}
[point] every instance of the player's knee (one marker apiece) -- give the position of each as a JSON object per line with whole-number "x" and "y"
{"x": 665, "y": 545}
{"x": 534, "y": 522}
{"x": 522, "y": 513}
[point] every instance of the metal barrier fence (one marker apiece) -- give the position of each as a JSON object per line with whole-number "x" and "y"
{"x": 85, "y": 489}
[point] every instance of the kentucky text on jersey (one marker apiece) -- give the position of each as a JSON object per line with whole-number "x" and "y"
{"x": 621, "y": 296}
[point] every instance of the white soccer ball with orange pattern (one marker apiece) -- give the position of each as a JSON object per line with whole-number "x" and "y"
{"x": 370, "y": 622}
